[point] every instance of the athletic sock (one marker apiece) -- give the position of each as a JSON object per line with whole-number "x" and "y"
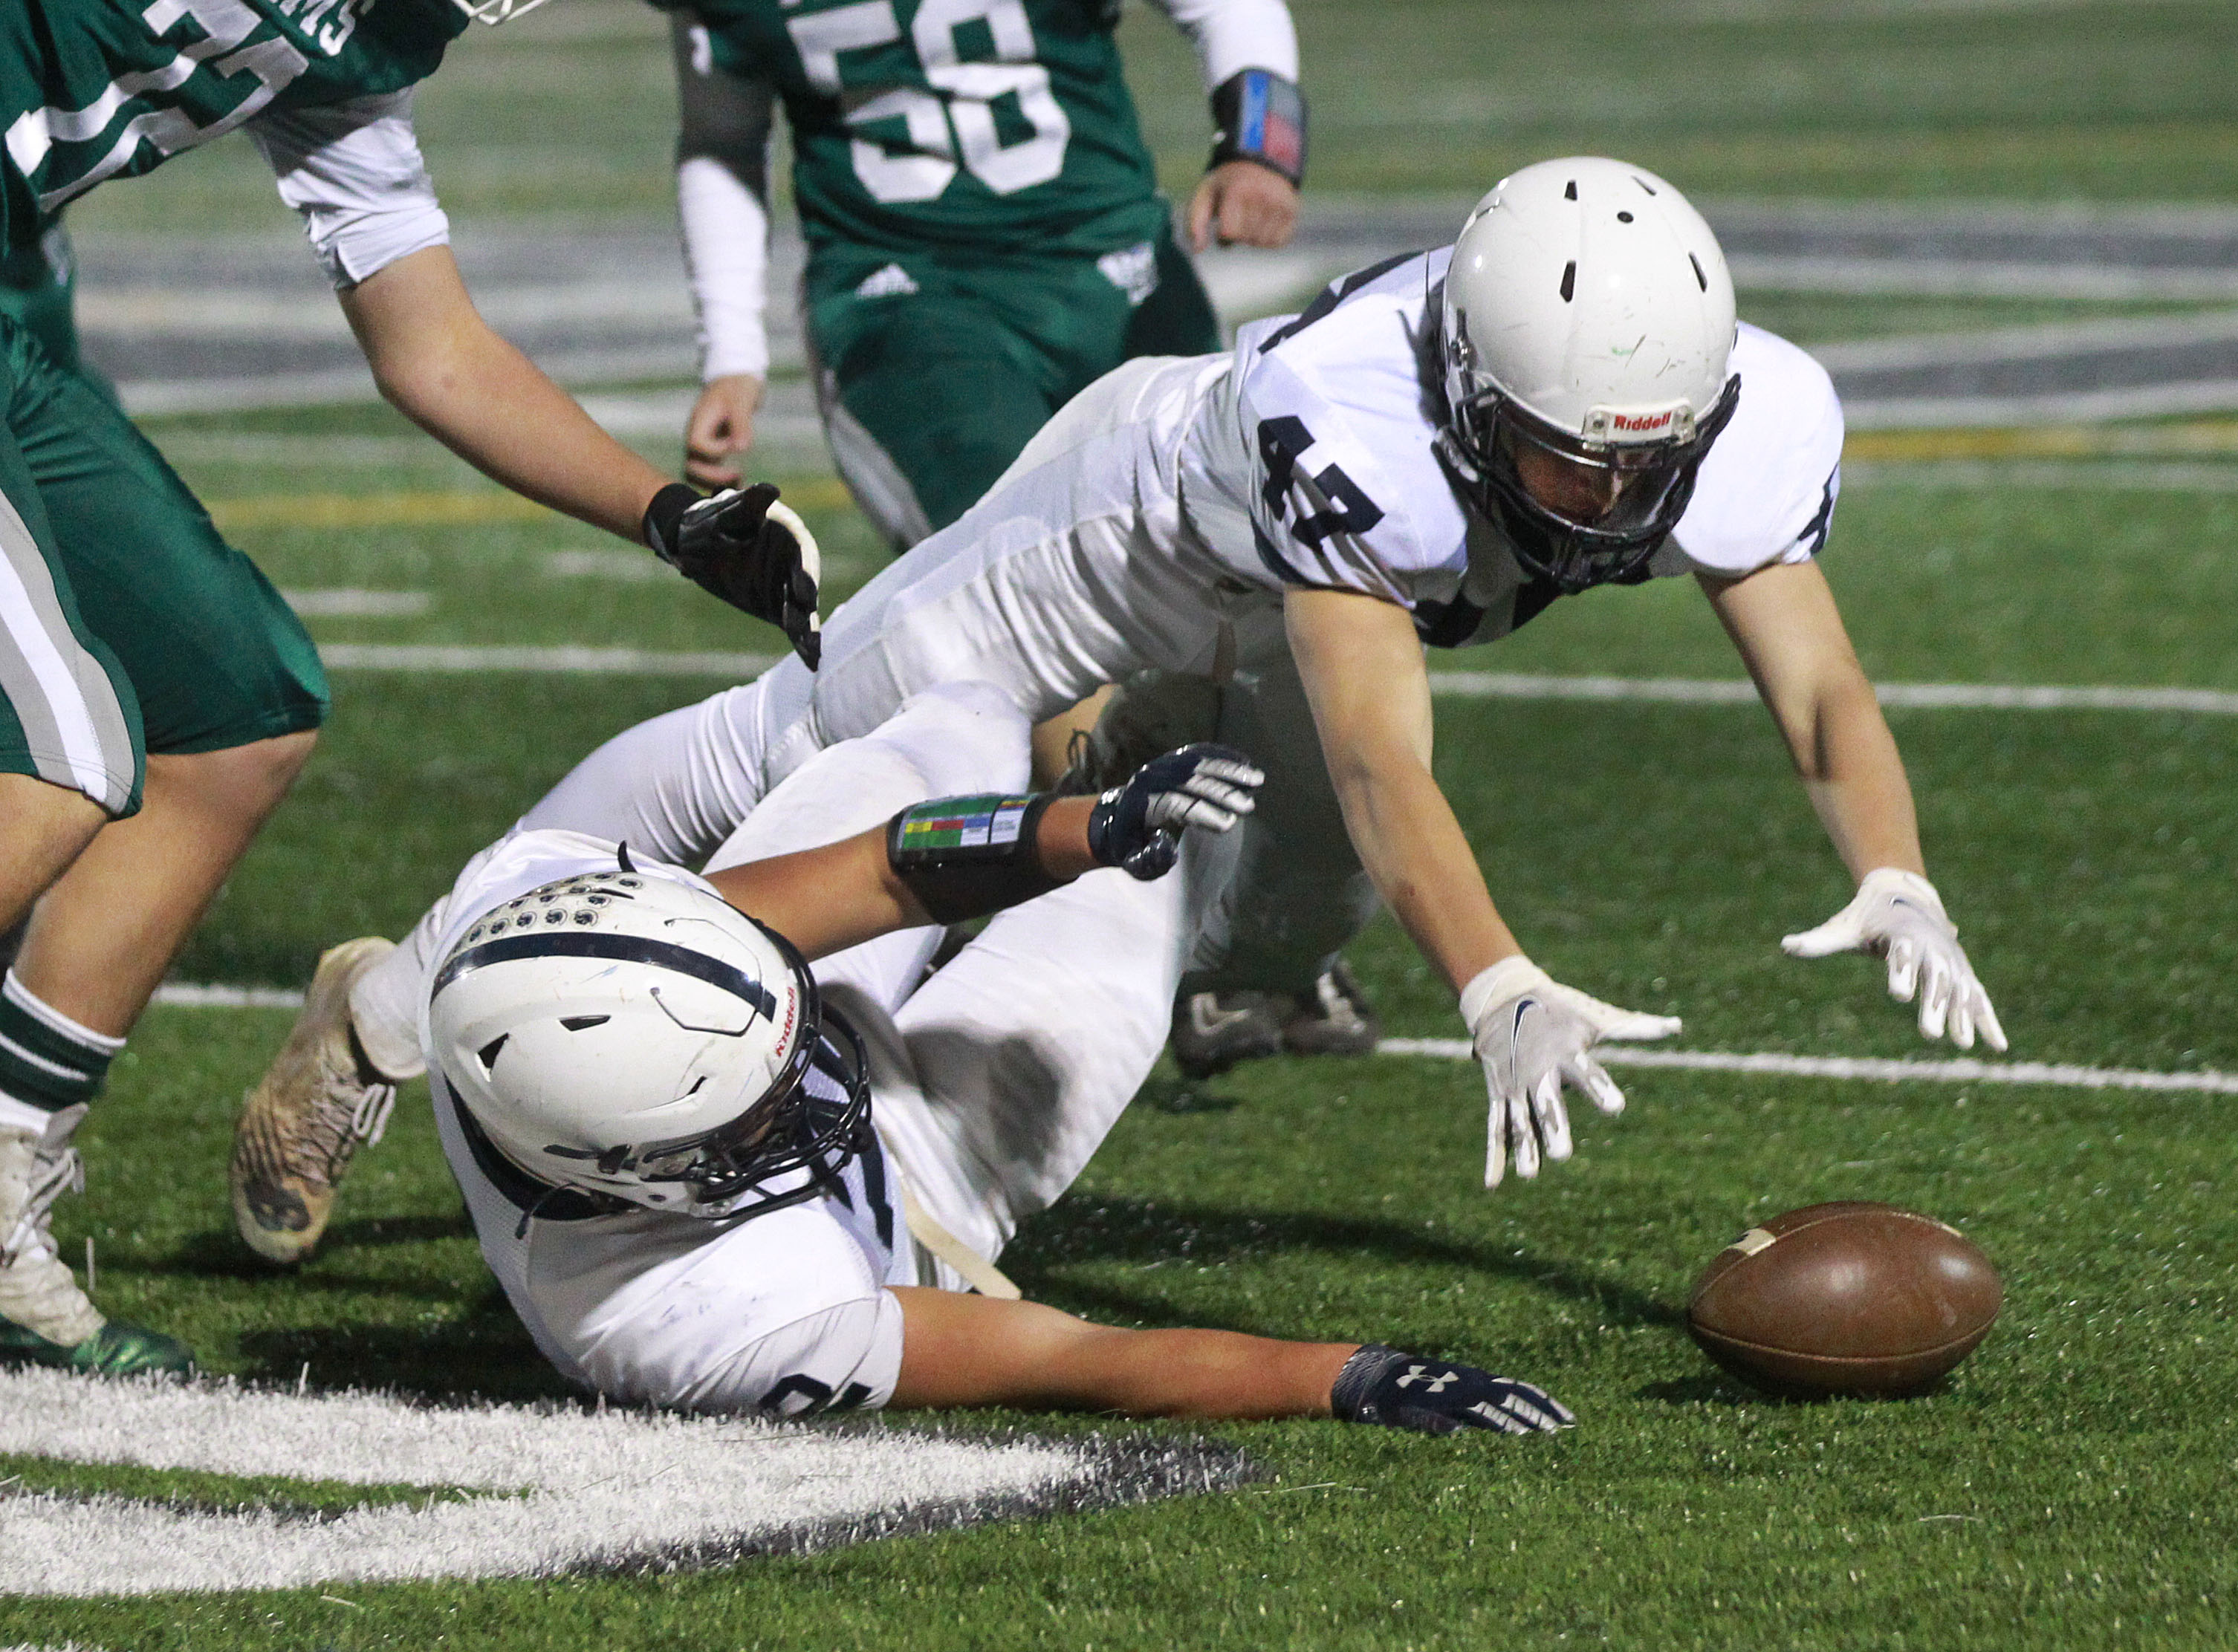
{"x": 48, "y": 1061}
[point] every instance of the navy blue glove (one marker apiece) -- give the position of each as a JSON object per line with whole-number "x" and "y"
{"x": 1382, "y": 1386}
{"x": 1139, "y": 825}
{"x": 746, "y": 548}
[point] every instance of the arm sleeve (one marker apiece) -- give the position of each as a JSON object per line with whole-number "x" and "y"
{"x": 722, "y": 191}
{"x": 1231, "y": 35}
{"x": 352, "y": 172}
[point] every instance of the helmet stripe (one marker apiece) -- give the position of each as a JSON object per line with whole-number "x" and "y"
{"x": 624, "y": 949}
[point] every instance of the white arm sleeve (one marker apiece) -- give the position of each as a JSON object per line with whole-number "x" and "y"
{"x": 726, "y": 250}
{"x": 722, "y": 191}
{"x": 1231, "y": 35}
{"x": 353, "y": 172}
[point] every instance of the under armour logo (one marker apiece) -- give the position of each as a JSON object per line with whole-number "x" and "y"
{"x": 1432, "y": 1384}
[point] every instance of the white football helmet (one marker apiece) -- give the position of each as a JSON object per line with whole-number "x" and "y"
{"x": 1586, "y": 323}
{"x": 628, "y": 1035}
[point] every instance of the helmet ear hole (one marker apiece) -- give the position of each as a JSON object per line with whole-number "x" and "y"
{"x": 487, "y": 1055}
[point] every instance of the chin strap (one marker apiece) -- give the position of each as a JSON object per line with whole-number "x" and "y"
{"x": 978, "y": 1272}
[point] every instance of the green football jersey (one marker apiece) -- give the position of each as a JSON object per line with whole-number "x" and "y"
{"x": 92, "y": 89}
{"x": 964, "y": 124}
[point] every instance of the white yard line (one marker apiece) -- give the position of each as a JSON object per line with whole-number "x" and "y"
{"x": 1983, "y": 696}
{"x": 577, "y": 661}
{"x": 1960, "y": 1070}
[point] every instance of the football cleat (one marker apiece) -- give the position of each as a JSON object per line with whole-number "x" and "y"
{"x": 1334, "y": 1018}
{"x": 1213, "y": 1032}
{"x": 45, "y": 1319}
{"x": 302, "y": 1125}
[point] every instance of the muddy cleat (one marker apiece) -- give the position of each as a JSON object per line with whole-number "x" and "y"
{"x": 1335, "y": 1019}
{"x": 1213, "y": 1031}
{"x": 44, "y": 1319}
{"x": 301, "y": 1124}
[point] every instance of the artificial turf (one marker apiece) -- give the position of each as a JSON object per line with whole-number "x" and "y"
{"x": 2067, "y": 1487}
{"x": 2061, "y": 1490}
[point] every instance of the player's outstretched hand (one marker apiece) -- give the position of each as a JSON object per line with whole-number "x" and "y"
{"x": 1532, "y": 1035}
{"x": 1382, "y": 1386}
{"x": 1139, "y": 825}
{"x": 748, "y": 548}
{"x": 1898, "y": 916}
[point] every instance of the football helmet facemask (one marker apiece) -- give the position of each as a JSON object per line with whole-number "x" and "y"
{"x": 1585, "y": 326}
{"x": 631, "y": 1036}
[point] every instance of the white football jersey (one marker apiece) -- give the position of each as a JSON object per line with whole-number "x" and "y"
{"x": 1311, "y": 464}
{"x": 786, "y": 1312}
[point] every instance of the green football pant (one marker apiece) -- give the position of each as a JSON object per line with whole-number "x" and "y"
{"x": 127, "y": 624}
{"x": 931, "y": 377}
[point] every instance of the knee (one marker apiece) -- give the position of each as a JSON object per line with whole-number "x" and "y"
{"x": 247, "y": 780}
{"x": 963, "y": 736}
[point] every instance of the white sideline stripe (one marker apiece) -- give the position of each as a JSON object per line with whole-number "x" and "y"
{"x": 189, "y": 995}
{"x": 559, "y": 1489}
{"x": 1894, "y": 276}
{"x": 2053, "y": 407}
{"x": 1961, "y": 1070}
{"x": 570, "y": 660}
{"x": 1982, "y": 696}
{"x": 2121, "y": 476}
{"x": 1473, "y": 685}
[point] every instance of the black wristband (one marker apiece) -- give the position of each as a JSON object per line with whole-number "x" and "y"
{"x": 1350, "y": 1395}
{"x": 1257, "y": 116}
{"x": 664, "y": 515}
{"x": 964, "y": 857}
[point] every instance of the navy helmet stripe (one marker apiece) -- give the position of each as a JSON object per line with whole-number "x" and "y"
{"x": 621, "y": 948}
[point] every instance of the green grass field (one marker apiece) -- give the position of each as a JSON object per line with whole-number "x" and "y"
{"x": 2067, "y": 1489}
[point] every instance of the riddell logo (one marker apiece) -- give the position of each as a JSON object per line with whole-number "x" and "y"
{"x": 1647, "y": 421}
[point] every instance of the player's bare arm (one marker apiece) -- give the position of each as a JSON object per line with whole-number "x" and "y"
{"x": 1790, "y": 635}
{"x": 1783, "y": 621}
{"x": 1362, "y": 664}
{"x": 960, "y": 1349}
{"x": 442, "y": 365}
{"x": 444, "y": 368}
{"x": 826, "y": 900}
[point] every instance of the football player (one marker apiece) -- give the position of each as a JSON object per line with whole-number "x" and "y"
{"x": 985, "y": 234}
{"x": 159, "y": 697}
{"x": 709, "y": 1179}
{"x": 1433, "y": 452}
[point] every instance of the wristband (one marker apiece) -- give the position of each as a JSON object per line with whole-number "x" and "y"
{"x": 664, "y": 515}
{"x": 1257, "y": 116}
{"x": 962, "y": 857}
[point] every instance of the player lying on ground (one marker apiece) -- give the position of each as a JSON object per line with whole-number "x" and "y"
{"x": 707, "y": 1179}
{"x": 1427, "y": 454}
{"x": 980, "y": 211}
{"x": 159, "y": 697}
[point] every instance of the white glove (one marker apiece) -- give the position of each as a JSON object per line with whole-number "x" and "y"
{"x": 1898, "y": 915}
{"x": 1532, "y": 1035}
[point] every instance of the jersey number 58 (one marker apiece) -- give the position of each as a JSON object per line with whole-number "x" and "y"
{"x": 956, "y": 121}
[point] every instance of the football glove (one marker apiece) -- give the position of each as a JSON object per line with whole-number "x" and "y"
{"x": 1898, "y": 916}
{"x": 1532, "y": 1035}
{"x": 1380, "y": 1386}
{"x": 744, "y": 547}
{"x": 1139, "y": 825}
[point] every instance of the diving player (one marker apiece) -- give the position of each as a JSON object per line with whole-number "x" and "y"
{"x": 159, "y": 696}
{"x": 1433, "y": 452}
{"x": 985, "y": 234}
{"x": 708, "y": 1180}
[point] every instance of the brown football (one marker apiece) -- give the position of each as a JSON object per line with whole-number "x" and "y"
{"x": 1849, "y": 1298}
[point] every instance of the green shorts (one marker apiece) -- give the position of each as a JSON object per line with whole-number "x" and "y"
{"x": 127, "y": 624}
{"x": 932, "y": 376}
{"x": 38, "y": 286}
